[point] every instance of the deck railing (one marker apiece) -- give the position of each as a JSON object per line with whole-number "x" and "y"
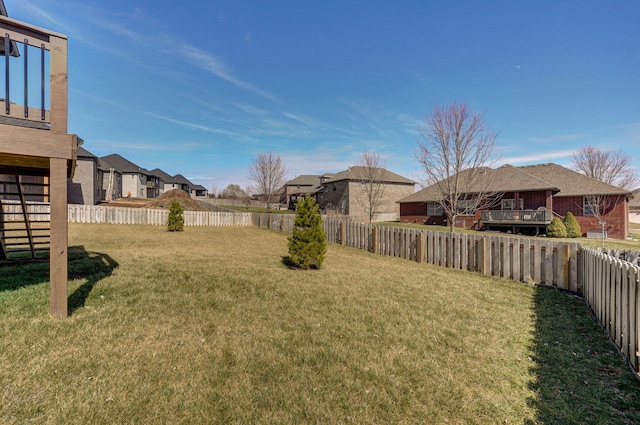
{"x": 34, "y": 86}
{"x": 539, "y": 216}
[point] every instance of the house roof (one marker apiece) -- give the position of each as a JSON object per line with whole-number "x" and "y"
{"x": 162, "y": 175}
{"x": 635, "y": 202}
{"x": 122, "y": 165}
{"x": 199, "y": 187}
{"x": 82, "y": 152}
{"x": 358, "y": 173}
{"x": 561, "y": 181}
{"x": 305, "y": 180}
{"x": 14, "y": 47}
{"x": 572, "y": 183}
{"x": 179, "y": 178}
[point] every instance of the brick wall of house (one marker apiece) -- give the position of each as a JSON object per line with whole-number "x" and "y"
{"x": 333, "y": 195}
{"x": 83, "y": 187}
{"x": 392, "y": 193}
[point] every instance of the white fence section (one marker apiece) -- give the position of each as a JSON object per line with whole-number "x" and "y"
{"x": 157, "y": 217}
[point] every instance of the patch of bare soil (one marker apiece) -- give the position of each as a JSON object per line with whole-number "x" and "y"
{"x": 164, "y": 200}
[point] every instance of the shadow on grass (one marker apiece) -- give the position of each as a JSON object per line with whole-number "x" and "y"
{"x": 83, "y": 264}
{"x": 288, "y": 263}
{"x": 580, "y": 378}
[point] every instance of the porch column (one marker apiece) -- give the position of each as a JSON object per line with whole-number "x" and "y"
{"x": 59, "y": 238}
{"x": 549, "y": 200}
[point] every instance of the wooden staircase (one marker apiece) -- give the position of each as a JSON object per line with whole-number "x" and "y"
{"x": 24, "y": 217}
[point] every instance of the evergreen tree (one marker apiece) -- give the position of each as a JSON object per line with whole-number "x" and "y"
{"x": 308, "y": 244}
{"x": 572, "y": 225}
{"x": 175, "y": 222}
{"x": 556, "y": 229}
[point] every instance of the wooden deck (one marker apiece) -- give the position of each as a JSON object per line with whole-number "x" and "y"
{"x": 33, "y": 133}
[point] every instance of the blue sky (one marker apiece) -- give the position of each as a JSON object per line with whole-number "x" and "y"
{"x": 201, "y": 87}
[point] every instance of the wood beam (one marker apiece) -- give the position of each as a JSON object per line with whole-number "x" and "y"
{"x": 23, "y": 141}
{"x": 59, "y": 238}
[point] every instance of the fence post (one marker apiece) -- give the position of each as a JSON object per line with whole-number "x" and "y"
{"x": 484, "y": 247}
{"x": 342, "y": 233}
{"x": 282, "y": 223}
{"x": 420, "y": 247}
{"x": 375, "y": 240}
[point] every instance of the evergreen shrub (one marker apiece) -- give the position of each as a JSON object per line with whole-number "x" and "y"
{"x": 307, "y": 244}
{"x": 572, "y": 225}
{"x": 175, "y": 222}
{"x": 556, "y": 229}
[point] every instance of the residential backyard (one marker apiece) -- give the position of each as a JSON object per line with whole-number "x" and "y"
{"x": 208, "y": 326}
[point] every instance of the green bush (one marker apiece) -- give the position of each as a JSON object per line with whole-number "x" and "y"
{"x": 308, "y": 244}
{"x": 175, "y": 222}
{"x": 557, "y": 229}
{"x": 572, "y": 225}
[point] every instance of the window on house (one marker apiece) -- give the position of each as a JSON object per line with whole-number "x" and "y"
{"x": 508, "y": 204}
{"x": 434, "y": 209}
{"x": 590, "y": 205}
{"x": 334, "y": 187}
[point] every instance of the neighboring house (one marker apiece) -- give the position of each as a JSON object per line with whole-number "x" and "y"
{"x": 110, "y": 181}
{"x": 182, "y": 183}
{"x": 134, "y": 178}
{"x": 344, "y": 193}
{"x": 199, "y": 191}
{"x": 85, "y": 185}
{"x": 166, "y": 180}
{"x": 525, "y": 201}
{"x": 301, "y": 186}
{"x": 634, "y": 204}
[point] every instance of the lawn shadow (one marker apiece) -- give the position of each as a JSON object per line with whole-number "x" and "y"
{"x": 92, "y": 266}
{"x": 579, "y": 377}
{"x": 82, "y": 264}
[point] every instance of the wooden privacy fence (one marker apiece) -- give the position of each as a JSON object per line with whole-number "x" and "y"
{"x": 533, "y": 261}
{"x": 611, "y": 287}
{"x": 122, "y": 215}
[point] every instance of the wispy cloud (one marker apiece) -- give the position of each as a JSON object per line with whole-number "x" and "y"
{"x": 146, "y": 146}
{"x": 193, "y": 126}
{"x": 160, "y": 40}
{"x": 535, "y": 157}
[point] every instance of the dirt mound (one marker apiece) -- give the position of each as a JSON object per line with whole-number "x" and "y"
{"x": 164, "y": 200}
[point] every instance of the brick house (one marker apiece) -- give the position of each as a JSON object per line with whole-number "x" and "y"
{"x": 344, "y": 192}
{"x": 84, "y": 187}
{"x": 525, "y": 200}
{"x": 302, "y": 186}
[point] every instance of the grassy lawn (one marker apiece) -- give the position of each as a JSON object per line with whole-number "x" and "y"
{"x": 207, "y": 326}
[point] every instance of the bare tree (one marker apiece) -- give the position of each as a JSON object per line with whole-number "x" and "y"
{"x": 455, "y": 151}
{"x": 599, "y": 206}
{"x": 612, "y": 167}
{"x": 370, "y": 169}
{"x": 233, "y": 191}
{"x": 268, "y": 172}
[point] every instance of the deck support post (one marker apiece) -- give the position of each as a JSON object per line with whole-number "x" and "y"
{"x": 59, "y": 238}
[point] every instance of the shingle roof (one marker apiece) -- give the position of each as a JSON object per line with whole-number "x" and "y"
{"x": 635, "y": 202}
{"x": 358, "y": 173}
{"x": 305, "y": 180}
{"x": 571, "y": 183}
{"x": 553, "y": 177}
{"x": 82, "y": 152}
{"x": 179, "y": 178}
{"x": 121, "y": 164}
{"x": 199, "y": 187}
{"x": 162, "y": 175}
